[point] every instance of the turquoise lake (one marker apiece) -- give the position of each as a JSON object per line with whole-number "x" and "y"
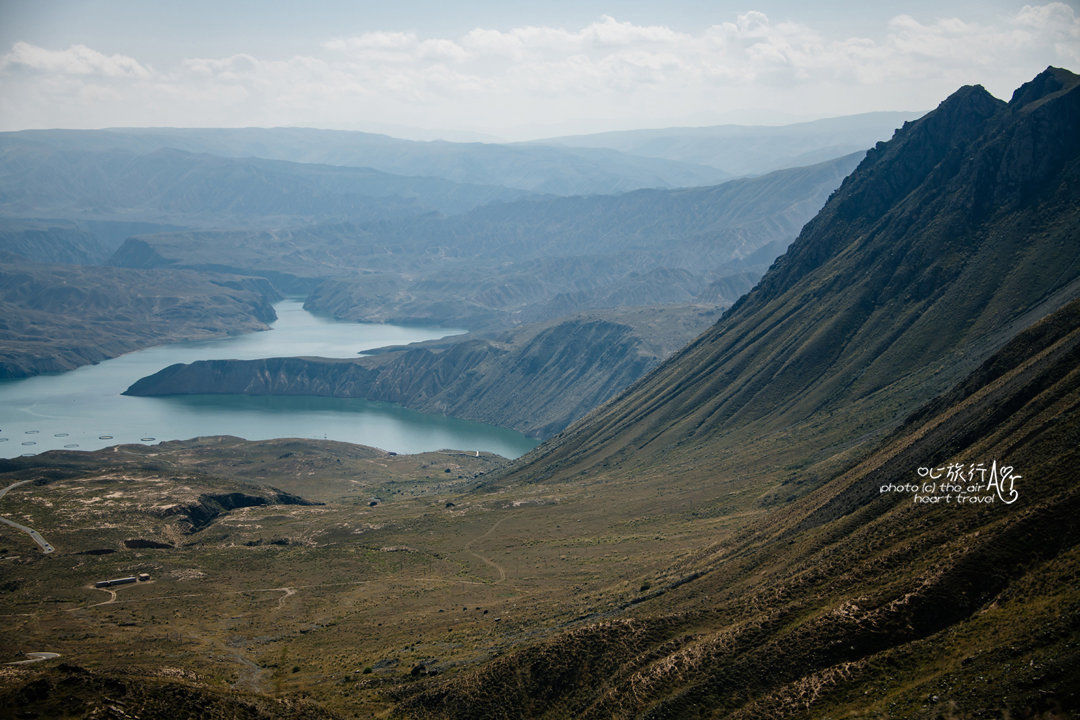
{"x": 83, "y": 409}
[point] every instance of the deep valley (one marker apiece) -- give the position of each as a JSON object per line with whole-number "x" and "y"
{"x": 810, "y": 427}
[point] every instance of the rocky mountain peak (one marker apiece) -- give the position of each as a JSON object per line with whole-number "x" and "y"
{"x": 922, "y": 154}
{"x": 1050, "y": 82}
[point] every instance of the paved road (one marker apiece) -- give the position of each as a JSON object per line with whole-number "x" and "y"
{"x": 45, "y": 546}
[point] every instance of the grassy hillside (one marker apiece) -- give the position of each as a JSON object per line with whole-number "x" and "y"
{"x": 854, "y": 601}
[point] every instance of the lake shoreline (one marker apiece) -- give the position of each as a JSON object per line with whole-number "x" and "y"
{"x": 83, "y": 409}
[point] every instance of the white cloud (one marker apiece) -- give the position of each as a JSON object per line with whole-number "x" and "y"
{"x": 486, "y": 77}
{"x": 76, "y": 60}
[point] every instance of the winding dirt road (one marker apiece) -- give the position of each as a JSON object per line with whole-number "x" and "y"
{"x": 45, "y": 546}
{"x": 34, "y": 657}
{"x": 486, "y": 560}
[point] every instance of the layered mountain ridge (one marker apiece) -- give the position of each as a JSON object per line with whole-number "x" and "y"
{"x": 525, "y": 261}
{"x": 927, "y": 318}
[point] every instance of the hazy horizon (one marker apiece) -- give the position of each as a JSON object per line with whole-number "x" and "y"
{"x": 423, "y": 134}
{"x": 485, "y": 71}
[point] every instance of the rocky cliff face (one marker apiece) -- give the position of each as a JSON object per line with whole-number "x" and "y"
{"x": 537, "y": 379}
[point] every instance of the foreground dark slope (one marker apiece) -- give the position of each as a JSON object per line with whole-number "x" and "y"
{"x": 69, "y": 691}
{"x": 851, "y": 602}
{"x": 942, "y": 244}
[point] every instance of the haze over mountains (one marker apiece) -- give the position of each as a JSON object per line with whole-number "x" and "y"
{"x": 366, "y": 245}
{"x": 506, "y": 263}
{"x": 747, "y": 149}
{"x": 175, "y": 186}
{"x": 581, "y": 165}
{"x": 724, "y": 538}
{"x": 552, "y": 170}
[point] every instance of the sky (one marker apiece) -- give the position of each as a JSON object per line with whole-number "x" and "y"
{"x": 491, "y": 69}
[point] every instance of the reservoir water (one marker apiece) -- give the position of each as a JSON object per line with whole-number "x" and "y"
{"x": 83, "y": 409}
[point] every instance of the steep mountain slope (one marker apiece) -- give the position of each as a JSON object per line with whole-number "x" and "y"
{"x": 56, "y": 317}
{"x": 941, "y": 245}
{"x": 555, "y": 170}
{"x": 747, "y": 149}
{"x": 856, "y": 600}
{"x": 851, "y": 590}
{"x": 172, "y": 185}
{"x": 536, "y": 379}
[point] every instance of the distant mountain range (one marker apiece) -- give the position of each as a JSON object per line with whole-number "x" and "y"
{"x": 75, "y": 195}
{"x": 546, "y": 170}
{"x": 34, "y": 162}
{"x": 180, "y": 187}
{"x": 526, "y": 261}
{"x": 748, "y": 149}
{"x": 76, "y": 242}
